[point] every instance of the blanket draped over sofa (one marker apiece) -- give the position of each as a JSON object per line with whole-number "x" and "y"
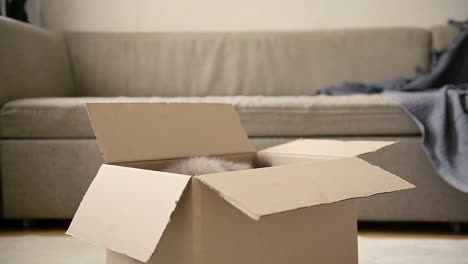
{"x": 437, "y": 101}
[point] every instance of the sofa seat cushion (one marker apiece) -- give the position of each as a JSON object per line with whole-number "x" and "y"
{"x": 261, "y": 115}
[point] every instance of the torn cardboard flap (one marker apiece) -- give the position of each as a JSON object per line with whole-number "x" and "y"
{"x": 326, "y": 148}
{"x": 129, "y": 132}
{"x": 127, "y": 210}
{"x": 267, "y": 191}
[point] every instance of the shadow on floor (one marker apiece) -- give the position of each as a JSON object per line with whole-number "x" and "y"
{"x": 375, "y": 227}
{"x": 414, "y": 227}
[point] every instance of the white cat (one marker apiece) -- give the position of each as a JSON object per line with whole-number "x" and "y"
{"x": 205, "y": 165}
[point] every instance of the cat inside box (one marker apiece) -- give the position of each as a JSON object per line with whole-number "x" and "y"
{"x": 200, "y": 165}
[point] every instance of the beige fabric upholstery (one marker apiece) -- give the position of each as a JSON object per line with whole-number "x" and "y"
{"x": 442, "y": 36}
{"x": 33, "y": 62}
{"x": 256, "y": 63}
{"x": 46, "y": 178}
{"x": 261, "y": 116}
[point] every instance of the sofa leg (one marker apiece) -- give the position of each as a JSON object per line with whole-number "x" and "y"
{"x": 456, "y": 228}
{"x": 26, "y": 223}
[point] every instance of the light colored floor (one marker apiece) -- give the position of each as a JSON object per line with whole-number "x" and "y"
{"x": 53, "y": 247}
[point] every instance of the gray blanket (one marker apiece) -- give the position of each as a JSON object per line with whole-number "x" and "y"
{"x": 437, "y": 101}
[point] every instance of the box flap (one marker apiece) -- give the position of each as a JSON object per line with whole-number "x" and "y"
{"x": 266, "y": 191}
{"x": 126, "y": 210}
{"x": 327, "y": 148}
{"x": 129, "y": 132}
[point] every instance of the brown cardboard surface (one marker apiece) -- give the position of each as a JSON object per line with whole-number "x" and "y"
{"x": 318, "y": 234}
{"x": 267, "y": 191}
{"x": 323, "y": 148}
{"x": 274, "y": 159}
{"x": 127, "y": 210}
{"x": 117, "y": 258}
{"x": 223, "y": 234}
{"x": 178, "y": 243}
{"x": 129, "y": 132}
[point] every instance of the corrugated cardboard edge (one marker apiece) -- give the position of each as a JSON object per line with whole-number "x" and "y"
{"x": 113, "y": 131}
{"x": 95, "y": 133}
{"x": 145, "y": 259}
{"x": 230, "y": 200}
{"x": 244, "y": 209}
{"x": 273, "y": 150}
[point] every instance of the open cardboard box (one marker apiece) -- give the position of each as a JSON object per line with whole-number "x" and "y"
{"x": 299, "y": 210}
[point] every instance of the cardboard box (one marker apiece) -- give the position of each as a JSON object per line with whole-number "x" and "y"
{"x": 300, "y": 210}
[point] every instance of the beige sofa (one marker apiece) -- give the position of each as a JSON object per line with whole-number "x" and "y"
{"x": 49, "y": 155}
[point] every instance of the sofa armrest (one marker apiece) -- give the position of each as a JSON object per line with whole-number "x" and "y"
{"x": 33, "y": 62}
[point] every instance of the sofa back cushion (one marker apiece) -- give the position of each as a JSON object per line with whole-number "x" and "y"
{"x": 253, "y": 63}
{"x": 442, "y": 36}
{"x": 33, "y": 62}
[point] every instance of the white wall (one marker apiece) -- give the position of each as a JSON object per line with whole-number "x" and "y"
{"x": 241, "y": 15}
